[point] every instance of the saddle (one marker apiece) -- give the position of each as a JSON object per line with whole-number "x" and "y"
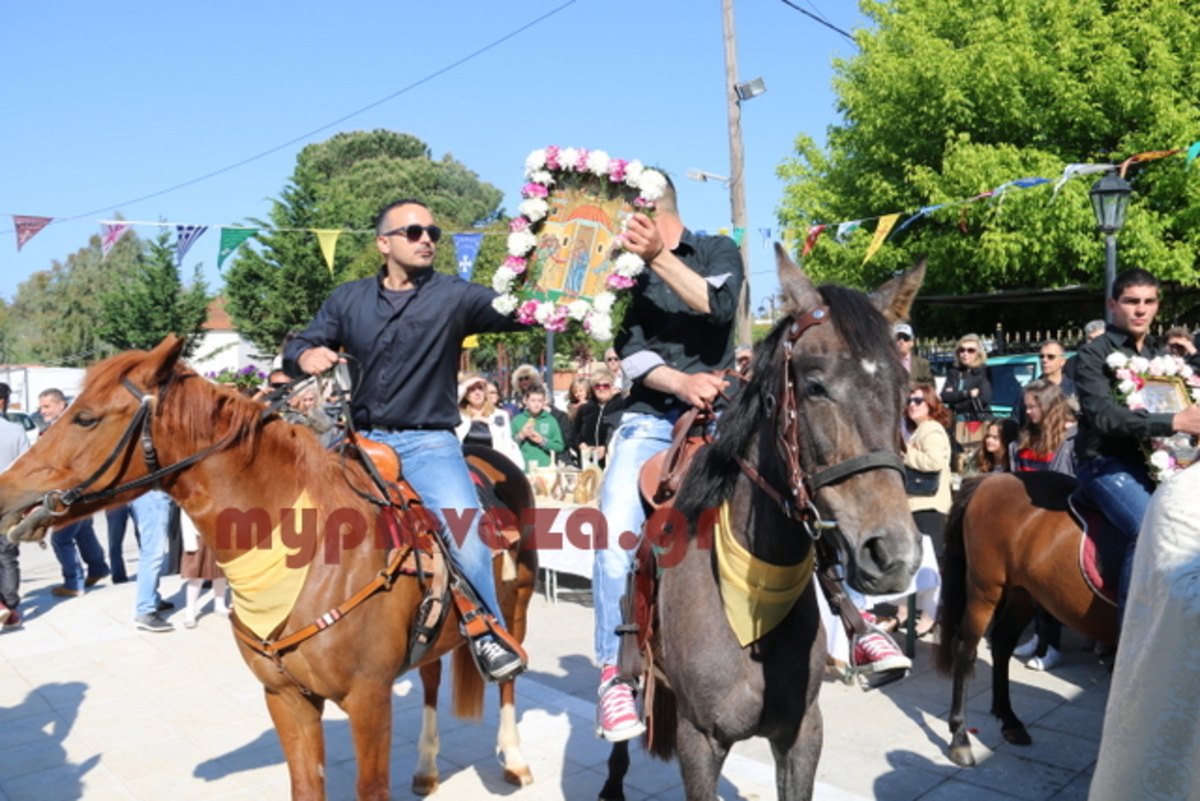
{"x": 1101, "y": 548}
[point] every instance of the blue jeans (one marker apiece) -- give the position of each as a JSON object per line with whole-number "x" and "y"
{"x": 1122, "y": 490}
{"x": 72, "y": 542}
{"x": 639, "y": 437}
{"x": 152, "y": 516}
{"x": 433, "y": 463}
{"x": 117, "y": 518}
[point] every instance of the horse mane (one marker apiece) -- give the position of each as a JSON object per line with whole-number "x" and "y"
{"x": 862, "y": 328}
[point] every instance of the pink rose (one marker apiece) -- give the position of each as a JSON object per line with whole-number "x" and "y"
{"x": 581, "y": 162}
{"x": 1138, "y": 381}
{"x": 515, "y": 263}
{"x": 534, "y": 190}
{"x": 616, "y": 170}
{"x": 552, "y": 157}
{"x": 615, "y": 281}
{"x": 557, "y": 322}
{"x": 527, "y": 311}
{"x": 518, "y": 224}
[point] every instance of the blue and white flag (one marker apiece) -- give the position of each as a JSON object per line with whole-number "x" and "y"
{"x": 466, "y": 248}
{"x": 185, "y": 236}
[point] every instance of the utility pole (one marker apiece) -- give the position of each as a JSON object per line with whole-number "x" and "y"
{"x": 737, "y": 188}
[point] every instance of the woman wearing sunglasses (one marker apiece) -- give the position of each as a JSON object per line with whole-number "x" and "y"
{"x": 968, "y": 393}
{"x": 597, "y": 418}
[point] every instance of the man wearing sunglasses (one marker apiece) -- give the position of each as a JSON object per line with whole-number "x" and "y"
{"x": 675, "y": 339}
{"x": 401, "y": 330}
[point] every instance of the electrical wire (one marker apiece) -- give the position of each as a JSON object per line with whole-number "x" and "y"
{"x": 813, "y": 16}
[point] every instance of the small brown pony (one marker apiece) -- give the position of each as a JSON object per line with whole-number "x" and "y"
{"x": 232, "y": 457}
{"x": 1011, "y": 543}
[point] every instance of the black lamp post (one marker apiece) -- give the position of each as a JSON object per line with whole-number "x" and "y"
{"x": 1110, "y": 199}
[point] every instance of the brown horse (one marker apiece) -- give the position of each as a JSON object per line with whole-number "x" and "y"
{"x": 1011, "y": 544}
{"x": 219, "y": 452}
{"x": 807, "y": 448}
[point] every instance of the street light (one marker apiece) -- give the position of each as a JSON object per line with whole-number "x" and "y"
{"x": 1110, "y": 200}
{"x": 702, "y": 176}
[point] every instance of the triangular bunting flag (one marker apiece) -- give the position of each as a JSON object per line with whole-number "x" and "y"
{"x": 920, "y": 213}
{"x": 885, "y": 227}
{"x": 231, "y": 239}
{"x": 27, "y": 227}
{"x": 723, "y": 231}
{"x": 466, "y": 248}
{"x": 845, "y": 229}
{"x": 700, "y": 233}
{"x": 110, "y": 232}
{"x": 738, "y": 235}
{"x": 185, "y": 235}
{"x": 327, "y": 239}
{"x": 814, "y": 231}
{"x": 1193, "y": 151}
{"x": 1075, "y": 170}
{"x": 766, "y": 236}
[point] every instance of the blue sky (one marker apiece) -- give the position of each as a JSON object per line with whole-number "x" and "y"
{"x": 112, "y": 103}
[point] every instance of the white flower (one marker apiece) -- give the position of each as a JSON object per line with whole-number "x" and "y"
{"x": 597, "y": 163}
{"x": 1185, "y": 371}
{"x": 502, "y": 280}
{"x": 633, "y": 173}
{"x": 1116, "y": 360}
{"x": 567, "y": 158}
{"x": 544, "y": 312}
{"x": 505, "y": 304}
{"x": 1167, "y": 365}
{"x": 1160, "y": 461}
{"x": 653, "y": 184}
{"x": 603, "y": 303}
{"x": 1195, "y": 394}
{"x": 599, "y": 326}
{"x": 1139, "y": 365}
{"x": 629, "y": 265}
{"x": 543, "y": 177}
{"x": 521, "y": 242}
{"x": 577, "y": 309}
{"x": 535, "y": 161}
{"x": 534, "y": 208}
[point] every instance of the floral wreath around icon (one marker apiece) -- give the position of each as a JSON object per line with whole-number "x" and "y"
{"x": 1165, "y": 456}
{"x": 543, "y": 169}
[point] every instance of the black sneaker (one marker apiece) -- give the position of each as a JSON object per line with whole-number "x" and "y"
{"x": 496, "y": 660}
{"x": 165, "y": 606}
{"x": 153, "y": 622}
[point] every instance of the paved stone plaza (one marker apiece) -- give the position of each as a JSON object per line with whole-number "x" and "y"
{"x": 93, "y": 708}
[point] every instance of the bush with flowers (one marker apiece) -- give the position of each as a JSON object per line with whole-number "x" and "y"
{"x": 1165, "y": 456}
{"x": 514, "y": 280}
{"x": 249, "y": 377}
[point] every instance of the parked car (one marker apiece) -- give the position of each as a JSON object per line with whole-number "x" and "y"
{"x": 26, "y": 422}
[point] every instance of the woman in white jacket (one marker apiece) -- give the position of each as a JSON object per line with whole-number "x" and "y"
{"x": 484, "y": 424}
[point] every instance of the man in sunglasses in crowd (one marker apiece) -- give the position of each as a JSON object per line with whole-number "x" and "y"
{"x": 402, "y": 330}
{"x": 1053, "y": 360}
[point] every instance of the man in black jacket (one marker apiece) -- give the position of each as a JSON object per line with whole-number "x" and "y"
{"x": 1108, "y": 448}
{"x": 403, "y": 328}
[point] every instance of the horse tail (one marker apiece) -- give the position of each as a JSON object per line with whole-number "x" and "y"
{"x": 664, "y": 711}
{"x": 954, "y": 579}
{"x": 468, "y": 685}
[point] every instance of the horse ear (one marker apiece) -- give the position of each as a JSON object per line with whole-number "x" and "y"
{"x": 163, "y": 358}
{"x": 798, "y": 290}
{"x": 895, "y": 298}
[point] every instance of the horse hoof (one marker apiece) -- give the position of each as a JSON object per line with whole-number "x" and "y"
{"x": 1017, "y": 736}
{"x": 424, "y": 785}
{"x": 962, "y": 756}
{"x": 520, "y": 777}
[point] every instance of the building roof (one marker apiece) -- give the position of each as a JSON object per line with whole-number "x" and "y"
{"x": 218, "y": 318}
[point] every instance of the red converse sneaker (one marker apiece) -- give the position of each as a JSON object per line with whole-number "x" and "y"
{"x": 616, "y": 716}
{"x": 874, "y": 652}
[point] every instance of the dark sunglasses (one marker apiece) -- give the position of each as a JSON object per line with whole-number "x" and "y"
{"x": 903, "y": 338}
{"x": 915, "y": 401}
{"x": 413, "y": 232}
{"x": 1048, "y": 356}
{"x": 601, "y": 386}
{"x": 279, "y": 384}
{"x": 612, "y": 359}
{"x": 968, "y": 350}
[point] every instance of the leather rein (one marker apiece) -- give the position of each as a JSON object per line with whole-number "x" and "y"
{"x": 797, "y": 500}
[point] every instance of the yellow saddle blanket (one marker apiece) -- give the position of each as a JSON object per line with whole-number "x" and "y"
{"x": 757, "y": 595}
{"x": 264, "y": 588}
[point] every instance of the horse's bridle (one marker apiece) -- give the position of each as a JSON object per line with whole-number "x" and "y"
{"x": 784, "y": 407}
{"x": 57, "y": 502}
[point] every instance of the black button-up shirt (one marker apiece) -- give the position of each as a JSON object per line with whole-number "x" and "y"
{"x": 659, "y": 328}
{"x": 408, "y": 357}
{"x": 1106, "y": 426}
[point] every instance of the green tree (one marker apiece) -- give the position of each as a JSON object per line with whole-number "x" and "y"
{"x": 342, "y": 183}
{"x": 55, "y": 316}
{"x": 153, "y": 302}
{"x": 948, "y": 99}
